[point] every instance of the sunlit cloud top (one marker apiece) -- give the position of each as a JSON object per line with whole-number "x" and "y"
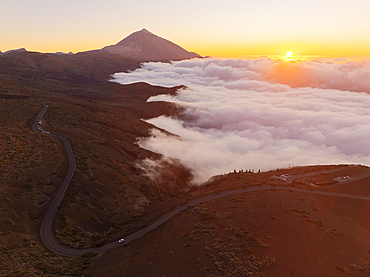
{"x": 261, "y": 114}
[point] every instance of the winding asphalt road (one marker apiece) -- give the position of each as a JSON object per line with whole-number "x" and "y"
{"x": 51, "y": 242}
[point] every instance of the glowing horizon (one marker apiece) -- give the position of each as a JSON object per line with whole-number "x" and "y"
{"x": 211, "y": 50}
{"x": 280, "y": 49}
{"x": 326, "y": 28}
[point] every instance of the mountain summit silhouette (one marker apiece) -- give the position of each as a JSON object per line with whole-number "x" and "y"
{"x": 146, "y": 46}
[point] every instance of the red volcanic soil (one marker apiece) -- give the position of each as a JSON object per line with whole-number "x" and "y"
{"x": 265, "y": 233}
{"x": 82, "y": 68}
{"x": 108, "y": 191}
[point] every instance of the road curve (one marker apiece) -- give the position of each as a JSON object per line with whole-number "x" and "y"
{"x": 51, "y": 242}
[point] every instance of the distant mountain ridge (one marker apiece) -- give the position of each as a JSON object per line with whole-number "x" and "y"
{"x": 15, "y": 50}
{"x": 141, "y": 46}
{"x": 24, "y": 50}
{"x": 146, "y": 46}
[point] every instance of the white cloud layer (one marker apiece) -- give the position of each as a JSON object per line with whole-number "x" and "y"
{"x": 260, "y": 114}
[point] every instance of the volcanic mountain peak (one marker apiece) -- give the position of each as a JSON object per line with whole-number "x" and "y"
{"x": 145, "y": 30}
{"x": 142, "y": 34}
{"x": 146, "y": 46}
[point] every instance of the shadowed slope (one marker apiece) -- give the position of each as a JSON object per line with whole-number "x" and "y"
{"x": 85, "y": 67}
{"x": 145, "y": 46}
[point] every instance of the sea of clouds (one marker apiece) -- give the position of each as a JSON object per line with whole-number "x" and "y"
{"x": 260, "y": 114}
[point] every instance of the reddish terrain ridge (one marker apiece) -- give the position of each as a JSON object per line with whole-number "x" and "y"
{"x": 262, "y": 233}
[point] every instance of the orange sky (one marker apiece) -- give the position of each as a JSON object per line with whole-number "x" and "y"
{"x": 214, "y": 28}
{"x": 298, "y": 48}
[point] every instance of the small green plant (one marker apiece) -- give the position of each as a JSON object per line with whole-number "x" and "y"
{"x": 28, "y": 187}
{"x": 8, "y": 221}
{"x": 62, "y": 216}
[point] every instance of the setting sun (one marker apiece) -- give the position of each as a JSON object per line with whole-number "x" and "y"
{"x": 289, "y": 56}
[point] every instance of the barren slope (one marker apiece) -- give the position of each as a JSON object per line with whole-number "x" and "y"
{"x": 268, "y": 233}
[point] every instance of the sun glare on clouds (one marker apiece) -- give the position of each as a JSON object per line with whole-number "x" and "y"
{"x": 289, "y": 56}
{"x": 244, "y": 114}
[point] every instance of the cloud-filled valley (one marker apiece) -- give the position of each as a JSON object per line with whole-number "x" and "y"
{"x": 260, "y": 114}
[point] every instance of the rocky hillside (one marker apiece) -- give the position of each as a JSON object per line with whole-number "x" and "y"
{"x": 146, "y": 46}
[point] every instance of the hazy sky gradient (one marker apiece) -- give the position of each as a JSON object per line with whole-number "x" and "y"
{"x": 224, "y": 28}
